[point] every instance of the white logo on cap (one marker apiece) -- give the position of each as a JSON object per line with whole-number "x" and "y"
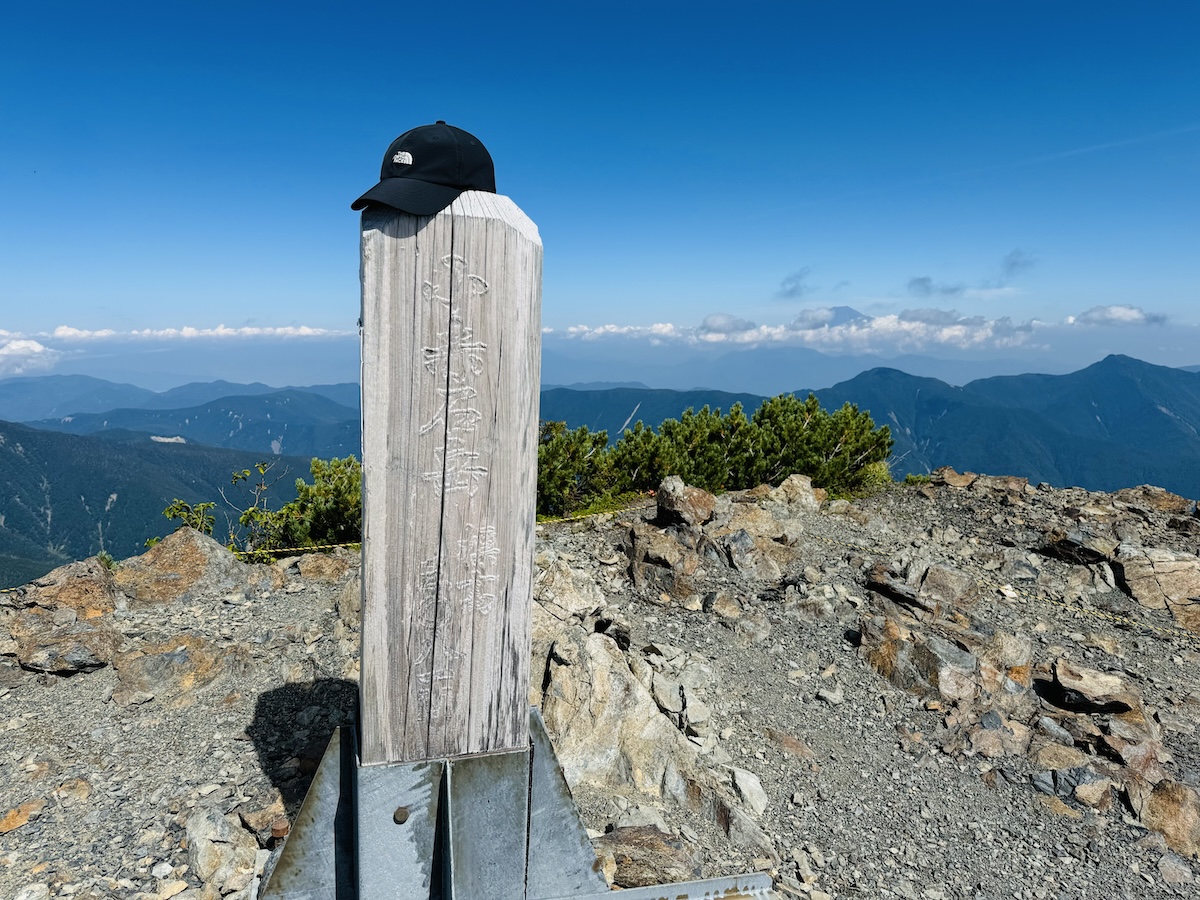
{"x": 403, "y": 158}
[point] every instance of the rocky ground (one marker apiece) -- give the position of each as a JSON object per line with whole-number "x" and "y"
{"x": 971, "y": 688}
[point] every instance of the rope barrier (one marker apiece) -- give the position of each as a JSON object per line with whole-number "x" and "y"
{"x": 294, "y": 549}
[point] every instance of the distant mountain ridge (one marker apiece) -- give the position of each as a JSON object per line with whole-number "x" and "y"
{"x": 1119, "y": 422}
{"x": 32, "y": 398}
{"x": 294, "y": 422}
{"x": 67, "y": 496}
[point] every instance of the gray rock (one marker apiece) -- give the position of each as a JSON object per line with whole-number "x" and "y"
{"x": 749, "y": 789}
{"x": 678, "y": 502}
{"x": 797, "y": 494}
{"x": 220, "y": 852}
{"x": 186, "y": 564}
{"x": 82, "y": 646}
{"x": 1162, "y": 579}
{"x": 644, "y": 855}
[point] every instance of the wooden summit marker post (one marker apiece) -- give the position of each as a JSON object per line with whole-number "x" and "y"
{"x": 453, "y": 790}
{"x": 451, "y": 319}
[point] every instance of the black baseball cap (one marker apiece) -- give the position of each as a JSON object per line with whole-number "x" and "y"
{"x": 426, "y": 168}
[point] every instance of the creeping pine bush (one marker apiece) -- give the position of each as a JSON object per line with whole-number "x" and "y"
{"x": 574, "y": 468}
{"x": 842, "y": 452}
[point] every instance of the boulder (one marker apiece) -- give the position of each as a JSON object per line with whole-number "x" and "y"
{"x": 78, "y": 646}
{"x": 745, "y": 556}
{"x": 1162, "y": 579}
{"x": 947, "y": 476}
{"x": 87, "y": 587}
{"x": 323, "y": 567}
{"x": 1006, "y": 672}
{"x": 221, "y": 852}
{"x": 749, "y": 789}
{"x": 1149, "y": 497}
{"x": 658, "y": 559}
{"x": 1085, "y": 545}
{"x": 678, "y": 502}
{"x": 186, "y": 564}
{"x": 565, "y": 593}
{"x": 925, "y": 664}
{"x": 1087, "y": 690}
{"x": 642, "y": 855}
{"x": 170, "y": 671}
{"x": 798, "y": 495}
{"x": 608, "y": 731}
{"x": 1173, "y": 810}
{"x": 349, "y": 603}
{"x": 606, "y": 726}
{"x": 927, "y": 590}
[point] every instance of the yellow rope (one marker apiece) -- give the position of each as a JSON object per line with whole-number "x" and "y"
{"x": 295, "y": 549}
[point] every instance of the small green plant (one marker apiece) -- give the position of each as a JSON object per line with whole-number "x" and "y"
{"x": 106, "y": 559}
{"x": 914, "y": 478}
{"x": 199, "y": 516}
{"x": 876, "y": 477}
{"x": 258, "y": 528}
{"x": 326, "y": 512}
{"x": 152, "y": 542}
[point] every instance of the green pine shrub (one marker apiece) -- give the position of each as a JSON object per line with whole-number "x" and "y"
{"x": 573, "y": 468}
{"x": 842, "y": 452}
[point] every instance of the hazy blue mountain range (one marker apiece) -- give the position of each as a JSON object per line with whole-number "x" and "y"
{"x": 32, "y": 398}
{"x": 294, "y": 422}
{"x": 66, "y": 497}
{"x": 765, "y": 371}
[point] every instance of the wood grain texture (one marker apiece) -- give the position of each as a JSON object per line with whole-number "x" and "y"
{"x": 450, "y": 370}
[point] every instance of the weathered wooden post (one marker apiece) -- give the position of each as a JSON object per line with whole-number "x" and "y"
{"x": 450, "y": 324}
{"x": 451, "y": 790}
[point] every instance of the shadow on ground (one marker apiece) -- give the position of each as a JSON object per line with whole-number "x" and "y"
{"x": 291, "y": 729}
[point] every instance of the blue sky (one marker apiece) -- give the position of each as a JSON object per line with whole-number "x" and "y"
{"x": 1017, "y": 180}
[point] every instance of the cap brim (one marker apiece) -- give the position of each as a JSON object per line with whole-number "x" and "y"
{"x": 420, "y": 198}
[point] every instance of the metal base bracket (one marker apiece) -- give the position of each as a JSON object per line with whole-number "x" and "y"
{"x": 497, "y": 826}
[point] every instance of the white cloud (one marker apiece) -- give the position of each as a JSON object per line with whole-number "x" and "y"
{"x": 910, "y": 331}
{"x": 70, "y": 334}
{"x": 222, "y": 331}
{"x": 1116, "y": 315}
{"x": 67, "y": 333}
{"x": 657, "y": 330}
{"x": 813, "y": 318}
{"x": 20, "y": 356}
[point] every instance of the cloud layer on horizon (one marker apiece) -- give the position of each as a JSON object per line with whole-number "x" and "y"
{"x": 832, "y": 330}
{"x": 42, "y": 352}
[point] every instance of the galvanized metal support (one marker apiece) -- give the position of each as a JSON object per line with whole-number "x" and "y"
{"x": 494, "y": 826}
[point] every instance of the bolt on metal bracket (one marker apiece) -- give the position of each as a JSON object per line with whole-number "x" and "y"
{"x": 496, "y": 826}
